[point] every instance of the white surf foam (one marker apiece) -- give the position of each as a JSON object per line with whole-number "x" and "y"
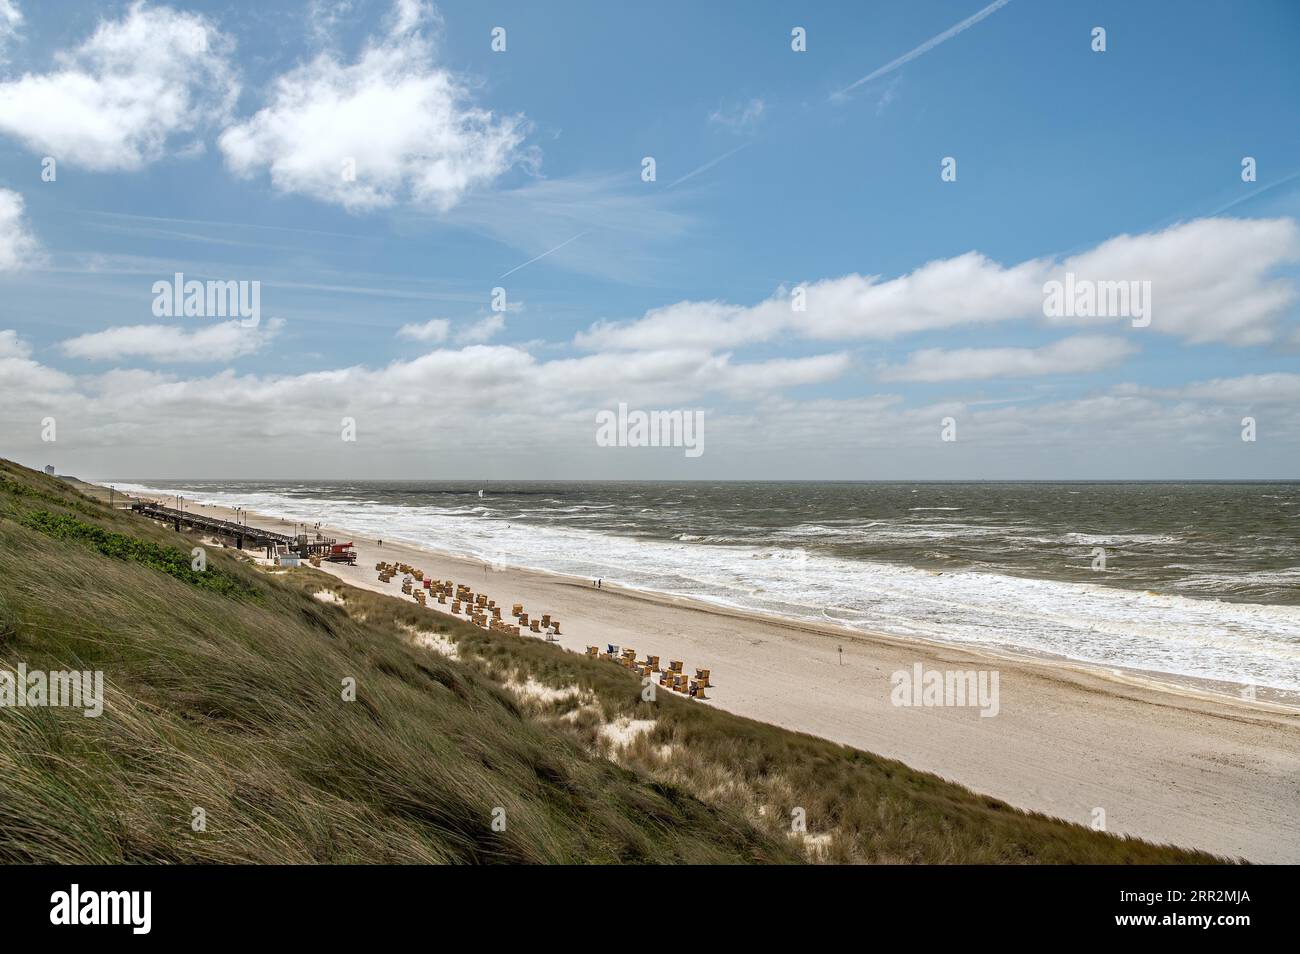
{"x": 1238, "y": 642}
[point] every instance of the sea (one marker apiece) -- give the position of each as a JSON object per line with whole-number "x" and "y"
{"x": 1198, "y": 580}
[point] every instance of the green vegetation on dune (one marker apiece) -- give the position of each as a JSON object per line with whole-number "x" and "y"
{"x": 230, "y": 699}
{"x": 167, "y": 560}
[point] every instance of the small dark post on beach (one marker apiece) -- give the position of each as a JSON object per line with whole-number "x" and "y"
{"x": 841, "y": 649}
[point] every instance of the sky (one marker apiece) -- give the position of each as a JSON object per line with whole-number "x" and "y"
{"x": 826, "y": 231}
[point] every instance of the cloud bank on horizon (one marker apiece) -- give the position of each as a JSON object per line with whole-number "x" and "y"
{"x": 454, "y": 259}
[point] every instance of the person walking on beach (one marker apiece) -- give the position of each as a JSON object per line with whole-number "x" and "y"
{"x": 381, "y": 544}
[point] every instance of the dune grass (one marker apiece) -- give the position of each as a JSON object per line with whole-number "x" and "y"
{"x": 235, "y": 706}
{"x": 856, "y": 806}
{"x": 232, "y": 702}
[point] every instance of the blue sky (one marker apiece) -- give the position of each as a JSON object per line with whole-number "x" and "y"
{"x": 787, "y": 181}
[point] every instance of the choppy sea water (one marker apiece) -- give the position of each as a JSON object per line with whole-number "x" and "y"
{"x": 1200, "y": 579}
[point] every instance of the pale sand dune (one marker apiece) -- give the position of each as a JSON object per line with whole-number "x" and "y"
{"x": 1166, "y": 764}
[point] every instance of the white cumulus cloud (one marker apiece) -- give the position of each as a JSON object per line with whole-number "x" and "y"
{"x": 170, "y": 343}
{"x": 1070, "y": 356}
{"x": 504, "y": 406}
{"x": 1211, "y": 280}
{"x": 1278, "y": 387}
{"x": 11, "y": 21}
{"x": 24, "y": 380}
{"x": 11, "y": 346}
{"x": 125, "y": 96}
{"x": 433, "y": 330}
{"x": 484, "y": 330}
{"x": 390, "y": 127}
{"x": 18, "y": 247}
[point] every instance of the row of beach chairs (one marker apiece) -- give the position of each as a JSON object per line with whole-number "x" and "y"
{"x": 673, "y": 677}
{"x": 460, "y": 599}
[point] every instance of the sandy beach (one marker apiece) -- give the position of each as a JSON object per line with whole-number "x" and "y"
{"x": 1166, "y": 762}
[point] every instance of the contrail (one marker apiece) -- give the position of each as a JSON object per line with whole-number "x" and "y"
{"x": 928, "y": 45}
{"x": 708, "y": 165}
{"x": 547, "y": 252}
{"x": 1255, "y": 194}
{"x": 1185, "y": 216}
{"x": 1258, "y": 192}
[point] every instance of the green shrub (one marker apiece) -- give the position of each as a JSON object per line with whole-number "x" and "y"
{"x": 167, "y": 560}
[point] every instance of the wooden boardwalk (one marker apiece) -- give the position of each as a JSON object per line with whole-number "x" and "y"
{"x": 242, "y": 535}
